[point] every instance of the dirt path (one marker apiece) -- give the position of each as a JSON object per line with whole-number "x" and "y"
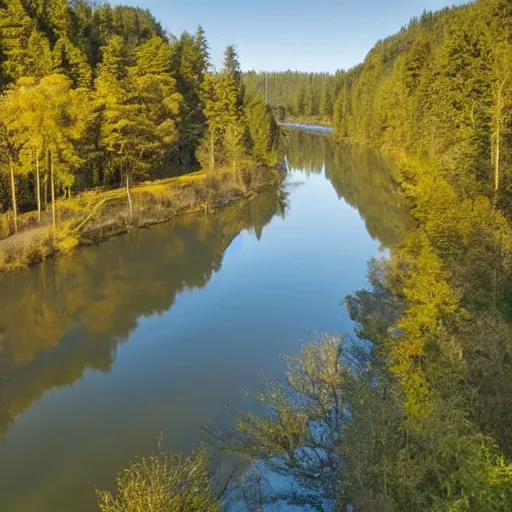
{"x": 23, "y": 238}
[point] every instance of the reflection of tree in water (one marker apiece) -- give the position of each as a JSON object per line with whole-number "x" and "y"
{"x": 360, "y": 176}
{"x": 70, "y": 313}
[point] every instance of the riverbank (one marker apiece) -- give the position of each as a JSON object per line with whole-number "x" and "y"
{"x": 96, "y": 216}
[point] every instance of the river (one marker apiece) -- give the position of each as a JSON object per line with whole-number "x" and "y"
{"x": 153, "y": 332}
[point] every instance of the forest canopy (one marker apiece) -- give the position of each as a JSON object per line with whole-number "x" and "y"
{"x": 101, "y": 96}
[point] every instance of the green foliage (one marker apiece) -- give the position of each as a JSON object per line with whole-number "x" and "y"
{"x": 236, "y": 133}
{"x": 299, "y": 434}
{"x": 425, "y": 422}
{"x": 144, "y": 100}
{"x": 300, "y": 95}
{"x": 190, "y": 61}
{"x": 163, "y": 482}
{"x": 438, "y": 89}
{"x": 263, "y": 132}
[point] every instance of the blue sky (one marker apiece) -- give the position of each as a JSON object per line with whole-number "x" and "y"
{"x": 307, "y": 35}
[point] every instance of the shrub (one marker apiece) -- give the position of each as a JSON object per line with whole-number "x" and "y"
{"x": 163, "y": 482}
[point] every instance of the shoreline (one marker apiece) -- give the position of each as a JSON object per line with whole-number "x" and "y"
{"x": 103, "y": 215}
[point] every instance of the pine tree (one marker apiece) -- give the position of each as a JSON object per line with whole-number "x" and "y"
{"x": 326, "y": 106}
{"x": 16, "y": 29}
{"x": 263, "y": 132}
{"x": 203, "y": 52}
{"x": 231, "y": 67}
{"x": 190, "y": 63}
{"x": 209, "y": 152}
{"x": 39, "y": 56}
{"x": 139, "y": 107}
{"x": 151, "y": 85}
{"x": 69, "y": 60}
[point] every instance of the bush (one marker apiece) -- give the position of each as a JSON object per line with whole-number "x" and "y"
{"x": 163, "y": 482}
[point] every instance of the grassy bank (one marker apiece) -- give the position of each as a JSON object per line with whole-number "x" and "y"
{"x": 96, "y": 216}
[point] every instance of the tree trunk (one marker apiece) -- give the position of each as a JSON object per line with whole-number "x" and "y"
{"x": 499, "y": 108}
{"x": 497, "y": 160}
{"x": 13, "y": 193}
{"x": 212, "y": 152}
{"x": 47, "y": 156}
{"x": 499, "y": 120}
{"x": 38, "y": 187}
{"x": 238, "y": 174}
{"x": 129, "y": 195}
{"x": 52, "y": 189}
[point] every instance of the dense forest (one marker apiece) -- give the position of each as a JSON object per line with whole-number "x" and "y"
{"x": 94, "y": 95}
{"x": 295, "y": 95}
{"x": 440, "y": 89}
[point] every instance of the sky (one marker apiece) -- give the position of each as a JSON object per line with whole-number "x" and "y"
{"x": 305, "y": 35}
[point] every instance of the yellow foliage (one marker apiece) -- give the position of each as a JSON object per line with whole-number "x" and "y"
{"x": 66, "y": 244}
{"x": 430, "y": 297}
{"x": 97, "y": 215}
{"x": 163, "y": 482}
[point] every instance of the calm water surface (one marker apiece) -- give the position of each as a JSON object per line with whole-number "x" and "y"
{"x": 153, "y": 332}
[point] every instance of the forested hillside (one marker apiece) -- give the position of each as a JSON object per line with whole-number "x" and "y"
{"x": 95, "y": 95}
{"x": 440, "y": 89}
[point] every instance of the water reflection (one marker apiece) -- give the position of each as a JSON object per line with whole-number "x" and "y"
{"x": 71, "y": 313}
{"x": 361, "y": 176}
{"x": 62, "y": 324}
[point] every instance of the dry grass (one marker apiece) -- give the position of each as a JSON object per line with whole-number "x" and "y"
{"x": 97, "y": 215}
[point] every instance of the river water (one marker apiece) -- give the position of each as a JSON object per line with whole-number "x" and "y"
{"x": 154, "y": 332}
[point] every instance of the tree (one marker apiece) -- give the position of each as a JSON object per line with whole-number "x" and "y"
{"x": 139, "y": 108}
{"x": 64, "y": 116}
{"x": 70, "y": 60}
{"x": 231, "y": 67}
{"x": 163, "y": 482}
{"x": 190, "y": 64}
{"x": 16, "y": 29}
{"x": 151, "y": 85}
{"x": 38, "y": 62}
{"x": 326, "y": 107}
{"x": 47, "y": 116}
{"x": 209, "y": 152}
{"x": 298, "y": 434}
{"x": 10, "y": 153}
{"x": 502, "y": 94}
{"x": 26, "y": 121}
{"x": 119, "y": 123}
{"x": 263, "y": 132}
